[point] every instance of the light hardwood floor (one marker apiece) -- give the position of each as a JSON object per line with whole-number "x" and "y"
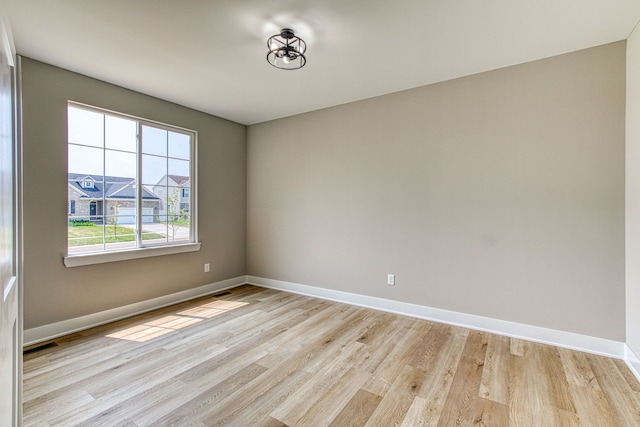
{"x": 259, "y": 357}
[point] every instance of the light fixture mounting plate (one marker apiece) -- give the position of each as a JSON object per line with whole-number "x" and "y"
{"x": 287, "y": 33}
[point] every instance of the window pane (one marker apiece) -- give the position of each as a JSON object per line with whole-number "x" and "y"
{"x": 158, "y": 232}
{"x": 185, "y": 196}
{"x": 154, "y": 170}
{"x": 154, "y": 141}
{"x": 173, "y": 200}
{"x": 85, "y": 160}
{"x": 179, "y": 168}
{"x": 177, "y": 219}
{"x": 179, "y": 145}
{"x": 155, "y": 235}
{"x": 126, "y": 220}
{"x": 118, "y": 236}
{"x": 161, "y": 192}
{"x": 78, "y": 245}
{"x": 120, "y": 134}
{"x": 120, "y": 164}
{"x": 85, "y": 127}
{"x": 122, "y": 212}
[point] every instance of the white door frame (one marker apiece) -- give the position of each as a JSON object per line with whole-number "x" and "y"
{"x": 10, "y": 233}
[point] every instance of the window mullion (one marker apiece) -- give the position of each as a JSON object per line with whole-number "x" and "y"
{"x": 193, "y": 173}
{"x": 139, "y": 186}
{"x": 104, "y": 184}
{"x": 170, "y": 208}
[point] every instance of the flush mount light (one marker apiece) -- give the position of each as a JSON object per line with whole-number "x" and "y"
{"x": 286, "y": 50}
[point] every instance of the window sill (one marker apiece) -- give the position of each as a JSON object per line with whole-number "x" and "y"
{"x": 103, "y": 257}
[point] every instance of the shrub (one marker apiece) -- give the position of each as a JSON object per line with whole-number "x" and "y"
{"x": 80, "y": 223}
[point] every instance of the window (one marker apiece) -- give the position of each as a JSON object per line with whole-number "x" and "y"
{"x": 125, "y": 178}
{"x": 185, "y": 193}
{"x": 87, "y": 183}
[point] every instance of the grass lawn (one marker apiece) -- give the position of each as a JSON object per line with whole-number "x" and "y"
{"x": 92, "y": 235}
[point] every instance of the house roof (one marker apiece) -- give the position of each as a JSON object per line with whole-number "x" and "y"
{"x": 172, "y": 180}
{"x": 179, "y": 179}
{"x": 108, "y": 187}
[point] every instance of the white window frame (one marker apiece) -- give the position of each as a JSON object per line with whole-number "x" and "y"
{"x": 151, "y": 250}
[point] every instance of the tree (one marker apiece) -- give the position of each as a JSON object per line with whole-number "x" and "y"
{"x": 175, "y": 214}
{"x": 113, "y": 220}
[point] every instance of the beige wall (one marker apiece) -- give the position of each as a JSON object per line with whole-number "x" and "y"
{"x": 633, "y": 192}
{"x": 54, "y": 293}
{"x": 499, "y": 194}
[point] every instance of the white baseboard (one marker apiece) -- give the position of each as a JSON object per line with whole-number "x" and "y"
{"x": 570, "y": 340}
{"x": 564, "y": 339}
{"x": 632, "y": 361}
{"x": 53, "y": 330}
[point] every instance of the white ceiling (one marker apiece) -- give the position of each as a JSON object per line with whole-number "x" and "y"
{"x": 210, "y": 54}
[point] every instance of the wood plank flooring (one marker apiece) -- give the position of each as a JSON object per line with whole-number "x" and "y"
{"x": 259, "y": 357}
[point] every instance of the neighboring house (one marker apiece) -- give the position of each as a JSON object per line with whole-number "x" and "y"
{"x": 178, "y": 189}
{"x": 92, "y": 197}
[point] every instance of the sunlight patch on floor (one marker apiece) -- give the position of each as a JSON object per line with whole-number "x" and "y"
{"x": 174, "y": 322}
{"x": 213, "y": 309}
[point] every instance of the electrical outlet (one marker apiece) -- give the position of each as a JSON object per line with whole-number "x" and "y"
{"x": 207, "y": 267}
{"x": 391, "y": 279}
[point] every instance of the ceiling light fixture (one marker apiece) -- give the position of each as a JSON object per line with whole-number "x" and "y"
{"x": 286, "y": 50}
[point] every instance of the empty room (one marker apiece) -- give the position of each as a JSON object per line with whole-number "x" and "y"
{"x": 296, "y": 213}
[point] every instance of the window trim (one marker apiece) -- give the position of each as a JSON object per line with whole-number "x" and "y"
{"x": 89, "y": 258}
{"x": 80, "y": 260}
